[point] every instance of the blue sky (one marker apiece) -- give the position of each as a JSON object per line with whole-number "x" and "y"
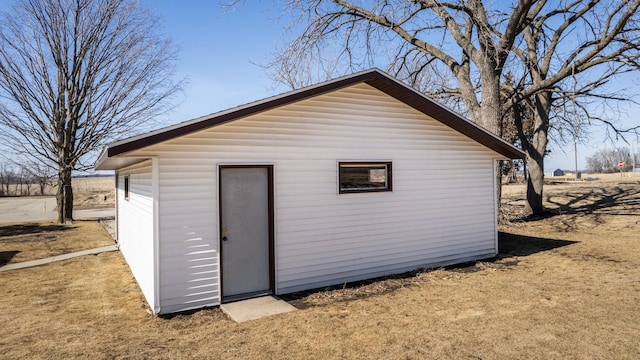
{"x": 219, "y": 49}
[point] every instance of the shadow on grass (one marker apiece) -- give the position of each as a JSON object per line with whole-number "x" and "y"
{"x": 510, "y": 245}
{"x": 616, "y": 200}
{"x": 520, "y": 245}
{"x": 351, "y": 290}
{"x": 24, "y": 229}
{"x": 6, "y": 256}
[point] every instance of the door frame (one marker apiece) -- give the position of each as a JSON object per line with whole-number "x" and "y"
{"x": 270, "y": 215}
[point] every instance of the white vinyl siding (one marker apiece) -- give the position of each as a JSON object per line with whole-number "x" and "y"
{"x": 189, "y": 269}
{"x": 441, "y": 209}
{"x": 135, "y": 225}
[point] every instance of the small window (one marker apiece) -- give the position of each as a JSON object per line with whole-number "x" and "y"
{"x": 364, "y": 176}
{"x": 126, "y": 187}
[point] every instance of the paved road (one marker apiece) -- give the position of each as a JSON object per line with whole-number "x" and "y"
{"x": 41, "y": 208}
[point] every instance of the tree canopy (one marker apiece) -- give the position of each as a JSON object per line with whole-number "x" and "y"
{"x": 535, "y": 64}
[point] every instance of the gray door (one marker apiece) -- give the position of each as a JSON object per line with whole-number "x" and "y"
{"x": 246, "y": 223}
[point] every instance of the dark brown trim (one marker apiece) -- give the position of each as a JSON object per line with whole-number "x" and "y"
{"x": 439, "y": 112}
{"x": 126, "y": 186}
{"x": 220, "y": 267}
{"x": 202, "y": 123}
{"x": 373, "y": 77}
{"x": 271, "y": 212}
{"x": 272, "y": 245}
{"x": 389, "y": 166}
{"x": 117, "y": 203}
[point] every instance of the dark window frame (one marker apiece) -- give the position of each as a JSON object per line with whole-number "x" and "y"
{"x": 364, "y": 164}
{"x": 126, "y": 187}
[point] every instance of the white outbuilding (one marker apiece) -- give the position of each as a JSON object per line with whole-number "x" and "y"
{"x": 353, "y": 178}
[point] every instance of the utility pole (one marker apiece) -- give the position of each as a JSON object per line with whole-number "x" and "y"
{"x": 576, "y": 129}
{"x": 633, "y": 161}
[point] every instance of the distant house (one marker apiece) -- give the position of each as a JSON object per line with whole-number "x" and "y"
{"x": 558, "y": 172}
{"x": 349, "y": 179}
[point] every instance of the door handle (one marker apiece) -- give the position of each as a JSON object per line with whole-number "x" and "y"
{"x": 224, "y": 238}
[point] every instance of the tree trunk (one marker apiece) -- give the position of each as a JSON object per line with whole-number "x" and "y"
{"x": 535, "y": 182}
{"x": 491, "y": 116}
{"x": 64, "y": 196}
{"x": 535, "y": 154}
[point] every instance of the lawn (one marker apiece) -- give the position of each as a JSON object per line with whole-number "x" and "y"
{"x": 31, "y": 241}
{"x": 566, "y": 285}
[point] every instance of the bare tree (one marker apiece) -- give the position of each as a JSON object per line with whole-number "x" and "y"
{"x": 461, "y": 38}
{"x": 7, "y": 175}
{"x": 24, "y": 180}
{"x": 597, "y": 39}
{"x": 606, "y": 160}
{"x": 415, "y": 36}
{"x": 76, "y": 73}
{"x": 42, "y": 175}
{"x": 474, "y": 41}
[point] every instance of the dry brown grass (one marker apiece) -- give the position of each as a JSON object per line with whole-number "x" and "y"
{"x": 24, "y": 242}
{"x": 88, "y": 193}
{"x": 93, "y": 192}
{"x": 565, "y": 286}
{"x": 82, "y": 184}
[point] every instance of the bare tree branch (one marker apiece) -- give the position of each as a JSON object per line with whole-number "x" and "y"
{"x": 77, "y": 73}
{"x": 541, "y": 43}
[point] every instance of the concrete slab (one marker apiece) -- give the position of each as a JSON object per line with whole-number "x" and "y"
{"x": 256, "y": 308}
{"x": 109, "y": 224}
{"x": 27, "y": 264}
{"x": 106, "y": 213}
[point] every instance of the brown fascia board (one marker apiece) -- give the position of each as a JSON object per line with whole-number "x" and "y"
{"x": 430, "y": 107}
{"x": 373, "y": 77}
{"x": 187, "y": 127}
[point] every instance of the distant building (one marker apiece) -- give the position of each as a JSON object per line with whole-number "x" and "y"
{"x": 558, "y": 172}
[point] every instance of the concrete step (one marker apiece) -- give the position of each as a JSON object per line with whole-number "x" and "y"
{"x": 256, "y": 308}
